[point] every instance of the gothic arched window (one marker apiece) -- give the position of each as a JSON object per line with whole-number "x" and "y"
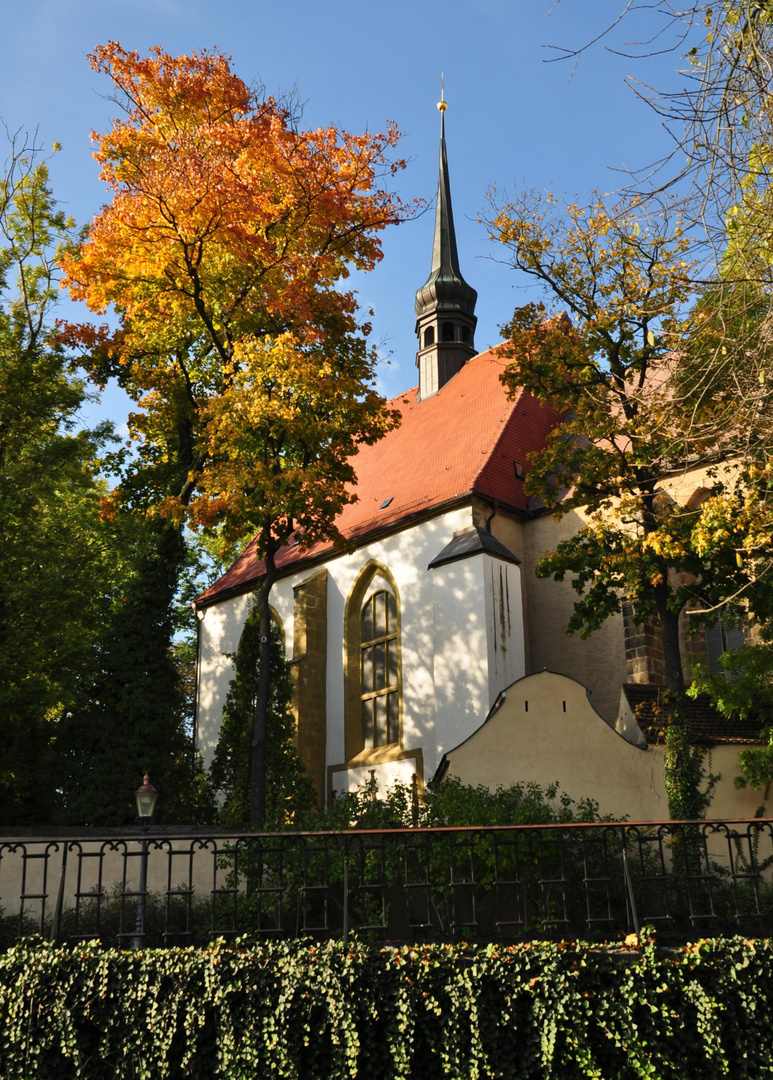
{"x": 379, "y": 687}
{"x": 372, "y": 672}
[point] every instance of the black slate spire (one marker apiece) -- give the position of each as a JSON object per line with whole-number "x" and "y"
{"x": 445, "y": 304}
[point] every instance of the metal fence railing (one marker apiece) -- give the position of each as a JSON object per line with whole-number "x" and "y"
{"x": 508, "y": 883}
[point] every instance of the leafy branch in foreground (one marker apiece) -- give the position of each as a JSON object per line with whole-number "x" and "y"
{"x": 223, "y": 250}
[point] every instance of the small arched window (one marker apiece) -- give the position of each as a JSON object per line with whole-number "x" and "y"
{"x": 447, "y": 331}
{"x": 466, "y": 335}
{"x": 429, "y": 336}
{"x": 379, "y": 686}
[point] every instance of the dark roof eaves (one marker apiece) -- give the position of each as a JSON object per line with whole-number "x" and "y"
{"x": 470, "y": 542}
{"x": 323, "y": 556}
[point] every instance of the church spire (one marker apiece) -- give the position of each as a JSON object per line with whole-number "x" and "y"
{"x": 445, "y": 304}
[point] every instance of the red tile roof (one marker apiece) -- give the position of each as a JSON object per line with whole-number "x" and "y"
{"x": 462, "y": 441}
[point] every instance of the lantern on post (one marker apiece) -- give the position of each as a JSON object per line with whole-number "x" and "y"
{"x": 145, "y": 797}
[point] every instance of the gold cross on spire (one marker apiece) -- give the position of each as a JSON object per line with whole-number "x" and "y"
{"x": 442, "y": 104}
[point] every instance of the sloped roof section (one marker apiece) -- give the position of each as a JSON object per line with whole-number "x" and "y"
{"x": 707, "y": 725}
{"x": 467, "y": 439}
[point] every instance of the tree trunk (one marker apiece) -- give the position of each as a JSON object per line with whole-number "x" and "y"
{"x": 683, "y": 763}
{"x": 260, "y": 723}
{"x": 672, "y": 653}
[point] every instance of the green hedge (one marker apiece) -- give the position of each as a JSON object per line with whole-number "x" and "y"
{"x": 316, "y": 1011}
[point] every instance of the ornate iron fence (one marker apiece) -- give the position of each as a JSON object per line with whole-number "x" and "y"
{"x": 594, "y": 881}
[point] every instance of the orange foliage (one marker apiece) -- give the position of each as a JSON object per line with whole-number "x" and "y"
{"x": 218, "y": 202}
{"x": 228, "y": 229}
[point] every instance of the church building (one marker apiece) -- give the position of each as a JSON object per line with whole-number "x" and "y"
{"x": 402, "y": 648}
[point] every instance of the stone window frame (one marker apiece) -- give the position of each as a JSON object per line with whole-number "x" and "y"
{"x": 372, "y": 579}
{"x": 379, "y": 688}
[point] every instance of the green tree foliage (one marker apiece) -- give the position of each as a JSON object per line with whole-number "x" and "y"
{"x": 55, "y": 549}
{"x": 290, "y": 799}
{"x": 626, "y": 279}
{"x": 133, "y": 718}
{"x": 742, "y": 686}
{"x": 720, "y": 168}
{"x": 454, "y": 803}
{"x": 629, "y": 421}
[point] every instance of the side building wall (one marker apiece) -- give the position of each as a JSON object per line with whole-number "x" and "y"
{"x": 548, "y": 732}
{"x": 599, "y": 661}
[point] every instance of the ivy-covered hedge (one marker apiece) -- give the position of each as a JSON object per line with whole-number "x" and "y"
{"x": 318, "y": 1011}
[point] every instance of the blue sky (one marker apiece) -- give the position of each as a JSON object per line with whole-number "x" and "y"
{"x": 514, "y": 121}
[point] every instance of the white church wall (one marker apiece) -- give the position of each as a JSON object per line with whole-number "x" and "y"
{"x": 478, "y": 641}
{"x": 406, "y": 556}
{"x": 220, "y": 629}
{"x": 460, "y": 629}
{"x": 386, "y": 774}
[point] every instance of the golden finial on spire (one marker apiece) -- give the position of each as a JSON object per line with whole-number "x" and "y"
{"x": 442, "y": 104}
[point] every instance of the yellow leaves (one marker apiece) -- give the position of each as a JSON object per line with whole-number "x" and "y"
{"x": 280, "y": 434}
{"x": 612, "y": 265}
{"x": 173, "y": 509}
{"x": 109, "y": 506}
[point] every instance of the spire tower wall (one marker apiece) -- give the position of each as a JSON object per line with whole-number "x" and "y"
{"x": 445, "y": 303}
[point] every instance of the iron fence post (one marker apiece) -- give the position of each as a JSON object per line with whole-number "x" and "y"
{"x": 628, "y": 882}
{"x": 56, "y": 921}
{"x": 346, "y": 890}
{"x": 138, "y": 941}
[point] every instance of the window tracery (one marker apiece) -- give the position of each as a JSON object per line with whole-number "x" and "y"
{"x": 379, "y": 684}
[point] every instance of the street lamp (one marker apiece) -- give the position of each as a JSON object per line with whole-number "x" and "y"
{"x": 145, "y": 797}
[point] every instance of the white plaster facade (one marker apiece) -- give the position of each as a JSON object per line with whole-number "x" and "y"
{"x": 461, "y": 643}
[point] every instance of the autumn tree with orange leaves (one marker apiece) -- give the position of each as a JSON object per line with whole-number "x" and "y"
{"x": 223, "y": 250}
